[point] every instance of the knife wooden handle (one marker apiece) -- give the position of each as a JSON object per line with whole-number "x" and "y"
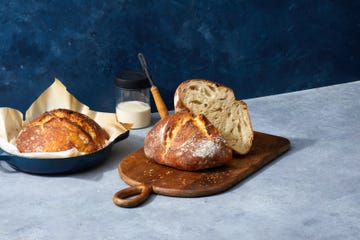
{"x": 159, "y": 102}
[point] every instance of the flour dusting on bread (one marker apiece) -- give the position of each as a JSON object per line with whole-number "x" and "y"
{"x": 186, "y": 141}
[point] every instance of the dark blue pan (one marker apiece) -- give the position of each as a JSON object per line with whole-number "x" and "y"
{"x": 60, "y": 165}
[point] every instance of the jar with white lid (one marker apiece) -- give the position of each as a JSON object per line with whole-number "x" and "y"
{"x": 133, "y": 98}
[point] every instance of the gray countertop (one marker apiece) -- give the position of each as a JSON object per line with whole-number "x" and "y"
{"x": 310, "y": 192}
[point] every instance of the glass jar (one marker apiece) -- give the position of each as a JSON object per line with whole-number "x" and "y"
{"x": 133, "y": 98}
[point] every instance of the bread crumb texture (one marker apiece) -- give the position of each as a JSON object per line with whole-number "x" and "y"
{"x": 217, "y": 102}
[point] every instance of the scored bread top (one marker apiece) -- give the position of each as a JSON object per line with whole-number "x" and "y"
{"x": 217, "y": 102}
{"x": 186, "y": 142}
{"x": 60, "y": 130}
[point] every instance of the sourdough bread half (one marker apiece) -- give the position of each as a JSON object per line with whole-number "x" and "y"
{"x": 186, "y": 142}
{"x": 217, "y": 102}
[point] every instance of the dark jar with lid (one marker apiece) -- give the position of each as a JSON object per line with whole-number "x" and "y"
{"x": 133, "y": 98}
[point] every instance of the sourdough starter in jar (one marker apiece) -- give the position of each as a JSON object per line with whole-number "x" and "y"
{"x": 133, "y": 99}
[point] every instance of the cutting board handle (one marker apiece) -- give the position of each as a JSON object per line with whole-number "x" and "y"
{"x": 125, "y": 197}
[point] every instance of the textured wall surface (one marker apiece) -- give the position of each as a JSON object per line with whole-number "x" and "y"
{"x": 256, "y": 47}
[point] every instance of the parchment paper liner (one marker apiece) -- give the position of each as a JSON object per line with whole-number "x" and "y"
{"x": 55, "y": 96}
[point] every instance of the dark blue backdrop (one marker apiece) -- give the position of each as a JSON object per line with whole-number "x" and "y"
{"x": 256, "y": 47}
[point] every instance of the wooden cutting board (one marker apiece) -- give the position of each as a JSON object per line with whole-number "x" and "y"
{"x": 145, "y": 176}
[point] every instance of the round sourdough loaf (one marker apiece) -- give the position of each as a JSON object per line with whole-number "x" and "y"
{"x": 187, "y": 142}
{"x": 217, "y": 102}
{"x": 60, "y": 130}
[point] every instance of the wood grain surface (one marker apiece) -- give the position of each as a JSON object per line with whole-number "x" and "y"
{"x": 136, "y": 169}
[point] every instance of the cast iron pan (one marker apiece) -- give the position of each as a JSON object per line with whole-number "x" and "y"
{"x": 60, "y": 165}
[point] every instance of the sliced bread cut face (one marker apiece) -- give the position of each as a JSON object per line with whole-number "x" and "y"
{"x": 217, "y": 102}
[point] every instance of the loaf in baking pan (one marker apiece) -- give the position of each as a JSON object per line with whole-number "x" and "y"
{"x": 186, "y": 141}
{"x": 217, "y": 102}
{"x": 60, "y": 130}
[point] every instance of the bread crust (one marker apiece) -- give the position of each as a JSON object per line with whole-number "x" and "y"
{"x": 187, "y": 142}
{"x": 60, "y": 130}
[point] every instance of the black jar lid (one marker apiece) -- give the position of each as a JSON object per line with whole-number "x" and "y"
{"x": 132, "y": 80}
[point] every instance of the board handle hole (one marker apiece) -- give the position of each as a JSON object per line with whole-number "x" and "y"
{"x": 132, "y": 196}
